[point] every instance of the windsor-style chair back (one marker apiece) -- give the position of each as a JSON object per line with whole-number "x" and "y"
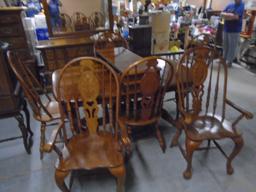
{"x": 98, "y": 19}
{"x": 66, "y": 22}
{"x": 202, "y": 39}
{"x": 81, "y": 21}
{"x": 143, "y": 86}
{"x": 44, "y": 107}
{"x": 110, "y": 40}
{"x": 202, "y": 104}
{"x": 87, "y": 91}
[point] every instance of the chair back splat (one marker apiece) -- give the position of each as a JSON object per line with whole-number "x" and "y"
{"x": 201, "y": 83}
{"x": 45, "y": 109}
{"x": 87, "y": 90}
{"x": 143, "y": 87}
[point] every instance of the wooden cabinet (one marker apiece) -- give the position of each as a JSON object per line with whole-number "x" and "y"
{"x": 8, "y": 101}
{"x": 12, "y": 31}
{"x": 58, "y": 52}
{"x": 140, "y": 39}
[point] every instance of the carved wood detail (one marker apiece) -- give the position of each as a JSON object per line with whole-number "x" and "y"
{"x": 89, "y": 94}
{"x": 199, "y": 73}
{"x": 150, "y": 84}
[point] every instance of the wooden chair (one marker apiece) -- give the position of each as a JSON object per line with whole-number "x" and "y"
{"x": 87, "y": 90}
{"x": 203, "y": 103}
{"x": 108, "y": 40}
{"x": 202, "y": 39}
{"x": 143, "y": 86}
{"x": 98, "y": 19}
{"x": 81, "y": 22}
{"x": 66, "y": 22}
{"x": 45, "y": 109}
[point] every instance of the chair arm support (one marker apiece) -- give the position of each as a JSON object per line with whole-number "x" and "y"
{"x": 49, "y": 146}
{"x": 247, "y": 114}
{"x": 126, "y": 142}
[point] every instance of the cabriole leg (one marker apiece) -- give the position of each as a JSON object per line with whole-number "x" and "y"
{"x": 239, "y": 142}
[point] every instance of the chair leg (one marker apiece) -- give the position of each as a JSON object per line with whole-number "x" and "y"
{"x": 42, "y": 140}
{"x": 191, "y": 146}
{"x": 60, "y": 180}
{"x": 239, "y": 142}
{"x": 160, "y": 138}
{"x": 176, "y": 137}
{"x": 19, "y": 117}
{"x": 25, "y": 109}
{"x": 208, "y": 144}
{"x": 177, "y": 105}
{"x": 119, "y": 173}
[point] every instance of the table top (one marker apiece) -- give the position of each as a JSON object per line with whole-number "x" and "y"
{"x": 169, "y": 53}
{"x": 13, "y": 8}
{"x": 63, "y": 42}
{"x": 118, "y": 57}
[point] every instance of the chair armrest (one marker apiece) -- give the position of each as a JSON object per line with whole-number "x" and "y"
{"x": 126, "y": 142}
{"x": 49, "y": 146}
{"x": 247, "y": 114}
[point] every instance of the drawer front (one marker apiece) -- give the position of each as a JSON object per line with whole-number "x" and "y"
{"x": 8, "y": 19}
{"x": 11, "y": 31}
{"x": 6, "y": 87}
{"x": 8, "y": 104}
{"x": 16, "y": 42}
{"x": 56, "y": 58}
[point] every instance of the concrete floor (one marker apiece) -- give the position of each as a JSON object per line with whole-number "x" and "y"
{"x": 149, "y": 170}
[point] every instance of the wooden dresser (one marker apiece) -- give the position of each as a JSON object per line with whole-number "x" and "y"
{"x": 57, "y": 52}
{"x": 12, "y": 30}
{"x": 8, "y": 101}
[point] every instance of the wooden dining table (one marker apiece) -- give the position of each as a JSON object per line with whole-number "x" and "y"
{"x": 120, "y": 58}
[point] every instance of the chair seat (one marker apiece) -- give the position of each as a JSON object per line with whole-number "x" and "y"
{"x": 53, "y": 108}
{"x": 210, "y": 127}
{"x": 88, "y": 152}
{"x": 138, "y": 122}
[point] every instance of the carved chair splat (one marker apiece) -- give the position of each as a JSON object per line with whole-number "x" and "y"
{"x": 143, "y": 86}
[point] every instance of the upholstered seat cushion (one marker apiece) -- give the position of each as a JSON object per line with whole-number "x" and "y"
{"x": 88, "y": 152}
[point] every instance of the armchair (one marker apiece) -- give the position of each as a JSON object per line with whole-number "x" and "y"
{"x": 202, "y": 105}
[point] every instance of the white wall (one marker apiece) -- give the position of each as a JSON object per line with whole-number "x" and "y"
{"x": 197, "y": 3}
{"x": 85, "y": 6}
{"x": 250, "y": 4}
{"x": 2, "y": 4}
{"x": 221, "y": 4}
